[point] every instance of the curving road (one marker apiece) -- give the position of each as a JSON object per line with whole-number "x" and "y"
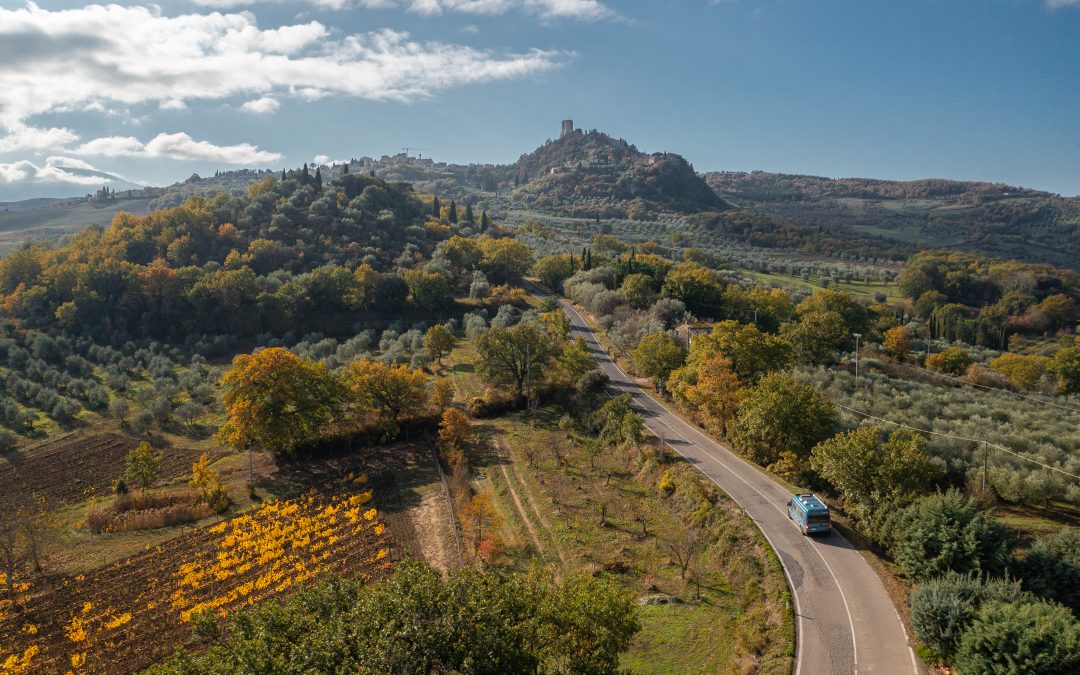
{"x": 845, "y": 620}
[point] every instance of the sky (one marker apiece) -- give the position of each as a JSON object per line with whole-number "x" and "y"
{"x": 963, "y": 89}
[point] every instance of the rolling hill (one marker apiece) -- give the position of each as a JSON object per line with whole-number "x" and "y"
{"x": 992, "y": 218}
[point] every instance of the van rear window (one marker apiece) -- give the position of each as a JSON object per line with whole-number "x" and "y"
{"x": 818, "y": 518}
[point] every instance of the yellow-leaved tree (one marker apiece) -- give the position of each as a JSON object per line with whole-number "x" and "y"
{"x": 275, "y": 399}
{"x": 390, "y": 391}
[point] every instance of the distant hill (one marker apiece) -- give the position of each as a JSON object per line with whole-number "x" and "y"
{"x": 991, "y": 218}
{"x": 591, "y": 174}
{"x": 30, "y": 204}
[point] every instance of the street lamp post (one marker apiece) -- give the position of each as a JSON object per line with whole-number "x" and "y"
{"x": 857, "y": 336}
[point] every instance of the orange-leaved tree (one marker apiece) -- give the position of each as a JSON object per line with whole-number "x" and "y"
{"x": 481, "y": 521}
{"x": 275, "y": 399}
{"x": 897, "y": 342}
{"x": 712, "y": 387}
{"x": 454, "y": 428}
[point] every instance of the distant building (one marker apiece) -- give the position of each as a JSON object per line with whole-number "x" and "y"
{"x": 567, "y": 128}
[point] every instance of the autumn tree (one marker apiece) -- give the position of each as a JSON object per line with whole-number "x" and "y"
{"x": 954, "y": 361}
{"x": 504, "y": 260}
{"x": 1024, "y": 370}
{"x": 897, "y": 342}
{"x": 454, "y": 430}
{"x": 780, "y": 415}
{"x": 277, "y": 400}
{"x": 695, "y": 286}
{"x": 854, "y": 315}
{"x": 817, "y": 337}
{"x": 711, "y": 387}
{"x": 141, "y": 466}
{"x": 871, "y": 468}
{"x": 510, "y": 355}
{"x": 390, "y": 391}
{"x": 575, "y": 360}
{"x": 208, "y": 482}
{"x": 480, "y": 520}
{"x": 657, "y": 355}
{"x": 553, "y": 270}
{"x": 1066, "y": 365}
{"x": 439, "y": 342}
{"x": 557, "y": 324}
{"x": 442, "y": 394}
{"x": 637, "y": 290}
{"x": 428, "y": 290}
{"x": 751, "y": 352}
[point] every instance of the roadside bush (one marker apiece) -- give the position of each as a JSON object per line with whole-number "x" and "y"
{"x": 947, "y": 532}
{"x": 1051, "y": 569}
{"x": 944, "y": 607}
{"x": 1024, "y": 638}
{"x": 780, "y": 415}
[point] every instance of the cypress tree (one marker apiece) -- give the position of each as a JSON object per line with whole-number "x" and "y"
{"x": 436, "y": 207}
{"x": 283, "y": 176}
{"x": 588, "y": 259}
{"x": 318, "y": 179}
{"x": 344, "y": 168}
{"x": 469, "y": 218}
{"x": 305, "y": 177}
{"x": 484, "y": 222}
{"x": 453, "y": 211}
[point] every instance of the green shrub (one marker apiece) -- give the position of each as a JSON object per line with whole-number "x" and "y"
{"x": 1052, "y": 568}
{"x": 943, "y": 608}
{"x": 947, "y": 532}
{"x": 1024, "y": 638}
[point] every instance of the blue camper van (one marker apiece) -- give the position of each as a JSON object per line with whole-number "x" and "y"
{"x": 810, "y": 514}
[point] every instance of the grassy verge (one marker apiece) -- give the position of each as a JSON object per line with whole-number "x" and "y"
{"x": 620, "y": 514}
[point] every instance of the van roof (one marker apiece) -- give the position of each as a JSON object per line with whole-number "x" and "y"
{"x": 811, "y": 502}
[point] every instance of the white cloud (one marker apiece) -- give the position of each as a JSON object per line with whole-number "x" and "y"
{"x": 586, "y": 10}
{"x": 1055, "y": 4}
{"x": 112, "y": 146}
{"x": 319, "y": 160}
{"x": 261, "y": 106}
{"x": 69, "y": 163}
{"x": 130, "y": 55}
{"x": 25, "y": 171}
{"x": 177, "y": 146}
{"x": 21, "y": 137}
{"x": 182, "y": 146}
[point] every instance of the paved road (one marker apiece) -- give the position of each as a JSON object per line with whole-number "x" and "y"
{"x": 845, "y": 621}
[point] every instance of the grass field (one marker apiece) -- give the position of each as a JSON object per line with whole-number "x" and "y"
{"x": 576, "y": 512}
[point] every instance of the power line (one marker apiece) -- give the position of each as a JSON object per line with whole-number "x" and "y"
{"x": 955, "y": 437}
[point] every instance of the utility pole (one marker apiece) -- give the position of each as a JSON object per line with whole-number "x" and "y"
{"x": 857, "y": 336}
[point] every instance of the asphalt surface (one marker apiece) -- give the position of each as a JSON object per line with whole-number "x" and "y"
{"x": 845, "y": 621}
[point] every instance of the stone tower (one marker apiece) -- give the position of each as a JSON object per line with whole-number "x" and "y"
{"x": 567, "y": 128}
